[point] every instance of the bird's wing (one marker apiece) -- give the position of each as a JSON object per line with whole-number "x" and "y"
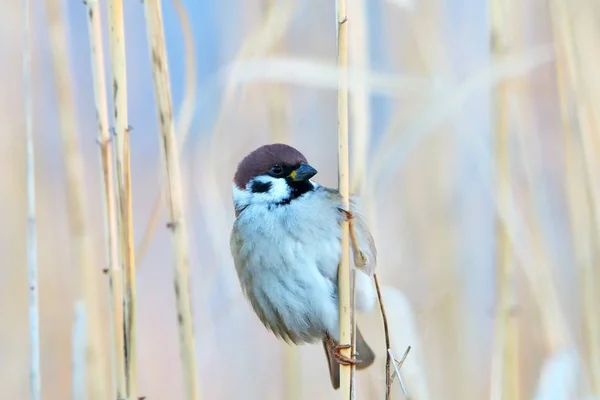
{"x": 365, "y": 252}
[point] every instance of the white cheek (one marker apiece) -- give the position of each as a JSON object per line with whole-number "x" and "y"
{"x": 279, "y": 191}
{"x": 241, "y": 198}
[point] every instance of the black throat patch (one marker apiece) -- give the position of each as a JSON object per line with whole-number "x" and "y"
{"x": 297, "y": 189}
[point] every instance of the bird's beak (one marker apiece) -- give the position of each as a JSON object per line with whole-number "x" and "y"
{"x": 303, "y": 173}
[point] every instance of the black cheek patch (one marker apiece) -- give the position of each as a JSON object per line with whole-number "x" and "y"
{"x": 260, "y": 187}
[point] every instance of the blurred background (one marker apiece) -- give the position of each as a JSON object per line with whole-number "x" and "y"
{"x": 474, "y": 142}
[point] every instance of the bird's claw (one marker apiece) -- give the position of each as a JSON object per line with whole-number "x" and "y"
{"x": 348, "y": 214}
{"x": 336, "y": 352}
{"x": 342, "y": 359}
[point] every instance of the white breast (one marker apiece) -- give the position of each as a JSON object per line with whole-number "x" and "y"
{"x": 286, "y": 258}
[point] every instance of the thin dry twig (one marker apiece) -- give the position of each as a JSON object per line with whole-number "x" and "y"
{"x": 397, "y": 367}
{"x": 389, "y": 376}
{"x": 124, "y": 195}
{"x": 386, "y": 331}
{"x": 162, "y": 88}
{"x": 35, "y": 380}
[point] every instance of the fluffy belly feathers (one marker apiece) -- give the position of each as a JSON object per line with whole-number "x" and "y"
{"x": 289, "y": 275}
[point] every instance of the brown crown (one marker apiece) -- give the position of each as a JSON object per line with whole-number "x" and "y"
{"x": 260, "y": 160}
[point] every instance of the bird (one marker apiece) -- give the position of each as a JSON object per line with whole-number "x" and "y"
{"x": 286, "y": 246}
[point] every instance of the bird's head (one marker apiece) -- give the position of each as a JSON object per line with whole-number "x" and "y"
{"x": 272, "y": 174}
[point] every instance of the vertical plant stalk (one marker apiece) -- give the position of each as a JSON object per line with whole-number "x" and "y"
{"x": 119, "y": 89}
{"x": 177, "y": 223}
{"x": 110, "y": 207}
{"x": 75, "y": 182}
{"x": 292, "y": 372}
{"x": 35, "y": 381}
{"x": 183, "y": 124}
{"x": 346, "y": 313}
{"x": 574, "y": 54}
{"x": 506, "y": 358}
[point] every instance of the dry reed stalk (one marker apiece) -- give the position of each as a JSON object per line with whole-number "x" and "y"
{"x": 184, "y": 120}
{"x": 345, "y": 297}
{"x": 78, "y": 225}
{"x": 110, "y": 207}
{"x": 581, "y": 162}
{"x": 124, "y": 195}
{"x": 35, "y": 380}
{"x": 505, "y": 380}
{"x": 177, "y": 225}
{"x": 292, "y": 372}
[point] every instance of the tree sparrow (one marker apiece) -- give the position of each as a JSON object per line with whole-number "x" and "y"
{"x": 286, "y": 247}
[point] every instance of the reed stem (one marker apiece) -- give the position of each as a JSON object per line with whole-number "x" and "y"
{"x": 111, "y": 227}
{"x": 124, "y": 195}
{"x": 175, "y": 207}
{"x": 35, "y": 381}
{"x": 346, "y": 313}
{"x": 576, "y": 88}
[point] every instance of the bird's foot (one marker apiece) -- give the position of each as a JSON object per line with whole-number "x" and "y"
{"x": 342, "y": 359}
{"x": 336, "y": 351}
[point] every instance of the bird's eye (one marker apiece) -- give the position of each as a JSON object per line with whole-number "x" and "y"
{"x": 276, "y": 170}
